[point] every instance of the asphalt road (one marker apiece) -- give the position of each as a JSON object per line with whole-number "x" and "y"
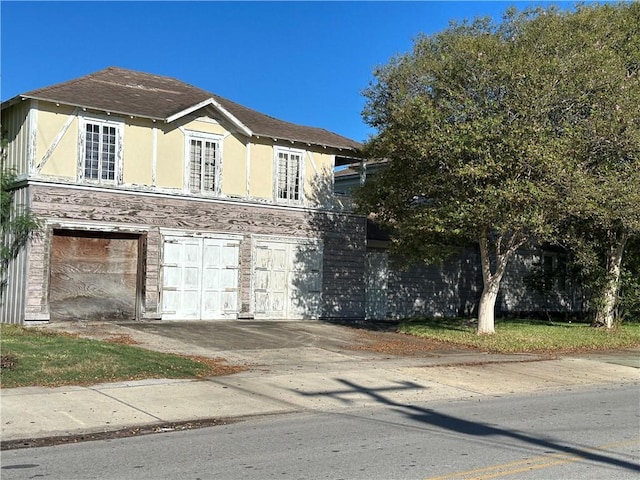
{"x": 574, "y": 434}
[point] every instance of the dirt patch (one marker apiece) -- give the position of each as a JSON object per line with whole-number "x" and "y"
{"x": 7, "y": 362}
{"x": 121, "y": 340}
{"x": 218, "y": 366}
{"x": 400, "y": 344}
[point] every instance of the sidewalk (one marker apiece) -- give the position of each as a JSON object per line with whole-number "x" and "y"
{"x": 336, "y": 384}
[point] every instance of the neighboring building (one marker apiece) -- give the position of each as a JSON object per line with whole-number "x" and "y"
{"x": 536, "y": 281}
{"x": 163, "y": 201}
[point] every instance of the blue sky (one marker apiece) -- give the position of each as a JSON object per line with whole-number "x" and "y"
{"x": 304, "y": 62}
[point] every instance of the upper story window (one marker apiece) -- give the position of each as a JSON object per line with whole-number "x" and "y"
{"x": 101, "y": 151}
{"x": 203, "y": 163}
{"x": 289, "y": 174}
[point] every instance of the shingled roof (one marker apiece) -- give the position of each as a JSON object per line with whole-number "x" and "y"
{"x": 128, "y": 92}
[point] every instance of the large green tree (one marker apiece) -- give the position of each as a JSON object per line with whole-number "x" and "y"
{"x": 462, "y": 122}
{"x": 496, "y": 135}
{"x": 597, "y": 51}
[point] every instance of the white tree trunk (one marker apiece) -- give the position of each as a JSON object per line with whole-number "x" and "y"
{"x": 491, "y": 279}
{"x": 486, "y": 309}
{"x": 606, "y": 307}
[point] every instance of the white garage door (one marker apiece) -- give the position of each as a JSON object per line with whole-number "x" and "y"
{"x": 287, "y": 279}
{"x": 199, "y": 278}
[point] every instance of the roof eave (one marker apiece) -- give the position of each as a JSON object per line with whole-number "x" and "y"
{"x": 307, "y": 142}
{"x": 90, "y": 107}
{"x": 12, "y": 101}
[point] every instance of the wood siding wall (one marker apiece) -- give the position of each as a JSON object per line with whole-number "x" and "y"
{"x": 517, "y": 293}
{"x": 447, "y": 290}
{"x": 12, "y": 284}
{"x": 16, "y": 129}
{"x": 454, "y": 288}
{"x": 89, "y": 209}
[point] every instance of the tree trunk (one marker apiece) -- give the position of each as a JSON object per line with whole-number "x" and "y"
{"x": 605, "y": 310}
{"x": 486, "y": 309}
{"x": 491, "y": 277}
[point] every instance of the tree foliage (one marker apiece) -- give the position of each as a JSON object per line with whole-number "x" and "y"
{"x": 598, "y": 103}
{"x": 459, "y": 122}
{"x": 17, "y": 224}
{"x": 498, "y": 134}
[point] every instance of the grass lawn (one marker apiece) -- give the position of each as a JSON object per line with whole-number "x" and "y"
{"x": 36, "y": 357}
{"x": 530, "y": 336}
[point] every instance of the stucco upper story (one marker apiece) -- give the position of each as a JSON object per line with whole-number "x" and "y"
{"x": 129, "y": 130}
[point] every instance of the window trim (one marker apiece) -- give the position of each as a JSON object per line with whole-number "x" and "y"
{"x": 118, "y": 124}
{"x": 276, "y": 176}
{"x": 190, "y": 135}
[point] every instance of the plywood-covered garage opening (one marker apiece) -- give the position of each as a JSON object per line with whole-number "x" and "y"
{"x": 95, "y": 275}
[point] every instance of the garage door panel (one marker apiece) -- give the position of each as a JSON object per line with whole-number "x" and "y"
{"x": 171, "y": 301}
{"x": 211, "y": 254}
{"x": 287, "y": 279}
{"x": 261, "y": 301}
{"x": 307, "y": 258}
{"x": 229, "y": 301}
{"x": 278, "y": 280}
{"x": 191, "y": 277}
{"x": 261, "y": 279}
{"x": 172, "y": 253}
{"x": 277, "y": 302}
{"x": 230, "y": 256}
{"x": 192, "y": 253}
{"x": 172, "y": 277}
{"x": 190, "y": 301}
{"x": 279, "y": 259}
{"x": 211, "y": 279}
{"x": 263, "y": 258}
{"x": 228, "y": 279}
{"x": 208, "y": 268}
{"x": 212, "y": 303}
{"x": 314, "y": 283}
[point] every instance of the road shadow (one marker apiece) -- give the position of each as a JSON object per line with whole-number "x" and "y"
{"x": 464, "y": 427}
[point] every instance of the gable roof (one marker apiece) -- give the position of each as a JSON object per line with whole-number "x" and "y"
{"x": 129, "y": 92}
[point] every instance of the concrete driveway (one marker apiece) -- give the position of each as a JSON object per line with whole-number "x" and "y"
{"x": 276, "y": 345}
{"x": 287, "y": 346}
{"x": 223, "y": 336}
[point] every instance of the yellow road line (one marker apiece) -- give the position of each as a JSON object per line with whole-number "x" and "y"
{"x": 525, "y": 465}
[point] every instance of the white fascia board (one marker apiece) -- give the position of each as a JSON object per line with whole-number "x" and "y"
{"x": 84, "y": 108}
{"x": 211, "y": 102}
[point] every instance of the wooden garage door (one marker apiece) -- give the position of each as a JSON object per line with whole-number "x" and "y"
{"x": 287, "y": 279}
{"x": 93, "y": 276}
{"x": 199, "y": 278}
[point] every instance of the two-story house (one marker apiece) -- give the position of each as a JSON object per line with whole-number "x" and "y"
{"x": 160, "y": 200}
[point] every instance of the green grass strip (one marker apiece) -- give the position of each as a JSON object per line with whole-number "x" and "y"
{"x": 526, "y": 336}
{"x": 36, "y": 357}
